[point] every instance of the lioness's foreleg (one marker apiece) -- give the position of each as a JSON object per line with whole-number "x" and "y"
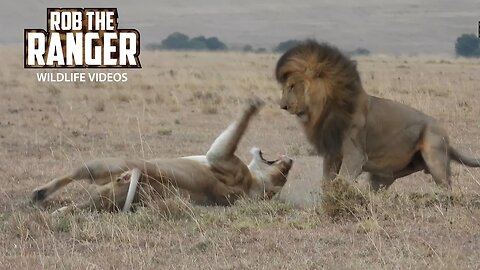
{"x": 97, "y": 171}
{"x": 225, "y": 145}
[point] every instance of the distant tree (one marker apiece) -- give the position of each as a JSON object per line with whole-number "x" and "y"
{"x": 360, "y": 51}
{"x": 176, "y": 41}
{"x": 179, "y": 41}
{"x": 467, "y": 45}
{"x": 286, "y": 45}
{"x": 214, "y": 44}
{"x": 153, "y": 46}
{"x": 198, "y": 43}
{"x": 261, "y": 50}
{"x": 247, "y": 48}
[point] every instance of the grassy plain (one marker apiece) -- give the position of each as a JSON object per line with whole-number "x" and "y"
{"x": 175, "y": 106}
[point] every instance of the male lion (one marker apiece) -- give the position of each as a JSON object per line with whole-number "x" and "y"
{"x": 357, "y": 132}
{"x": 219, "y": 177}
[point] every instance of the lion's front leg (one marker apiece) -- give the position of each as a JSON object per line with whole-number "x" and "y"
{"x": 354, "y": 151}
{"x": 331, "y": 167}
{"x": 354, "y": 158}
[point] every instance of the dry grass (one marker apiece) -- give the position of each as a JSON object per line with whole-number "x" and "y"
{"x": 175, "y": 106}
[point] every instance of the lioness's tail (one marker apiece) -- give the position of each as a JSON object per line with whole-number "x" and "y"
{"x": 461, "y": 158}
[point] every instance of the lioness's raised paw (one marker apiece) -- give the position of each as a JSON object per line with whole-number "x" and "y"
{"x": 255, "y": 104}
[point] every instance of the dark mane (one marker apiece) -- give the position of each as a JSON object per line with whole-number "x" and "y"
{"x": 321, "y": 61}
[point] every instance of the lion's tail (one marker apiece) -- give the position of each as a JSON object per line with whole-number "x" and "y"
{"x": 461, "y": 158}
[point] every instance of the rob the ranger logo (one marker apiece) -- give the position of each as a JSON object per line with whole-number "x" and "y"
{"x": 82, "y": 38}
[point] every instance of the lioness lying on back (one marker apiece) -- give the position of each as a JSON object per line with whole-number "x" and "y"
{"x": 219, "y": 177}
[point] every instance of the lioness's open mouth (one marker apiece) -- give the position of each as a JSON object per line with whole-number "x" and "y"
{"x": 269, "y": 162}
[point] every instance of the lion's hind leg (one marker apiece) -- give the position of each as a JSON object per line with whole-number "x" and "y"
{"x": 434, "y": 151}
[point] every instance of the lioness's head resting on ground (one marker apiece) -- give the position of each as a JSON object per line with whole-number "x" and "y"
{"x": 271, "y": 175}
{"x": 320, "y": 86}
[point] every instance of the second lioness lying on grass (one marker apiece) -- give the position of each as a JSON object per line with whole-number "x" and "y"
{"x": 219, "y": 177}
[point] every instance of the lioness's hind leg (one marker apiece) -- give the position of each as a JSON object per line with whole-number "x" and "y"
{"x": 97, "y": 171}
{"x": 41, "y": 193}
{"x": 435, "y": 154}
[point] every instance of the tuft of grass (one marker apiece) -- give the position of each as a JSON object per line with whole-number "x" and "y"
{"x": 53, "y": 90}
{"x": 121, "y": 97}
{"x": 159, "y": 98}
{"x": 343, "y": 200}
{"x": 63, "y": 224}
{"x": 209, "y": 109}
{"x": 99, "y": 106}
{"x": 164, "y": 131}
{"x": 28, "y": 226}
{"x": 175, "y": 208}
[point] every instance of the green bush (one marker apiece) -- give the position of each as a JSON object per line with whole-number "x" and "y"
{"x": 198, "y": 43}
{"x": 179, "y": 41}
{"x": 176, "y": 41}
{"x": 214, "y": 44}
{"x": 467, "y": 45}
{"x": 286, "y": 45}
{"x": 360, "y": 51}
{"x": 247, "y": 48}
